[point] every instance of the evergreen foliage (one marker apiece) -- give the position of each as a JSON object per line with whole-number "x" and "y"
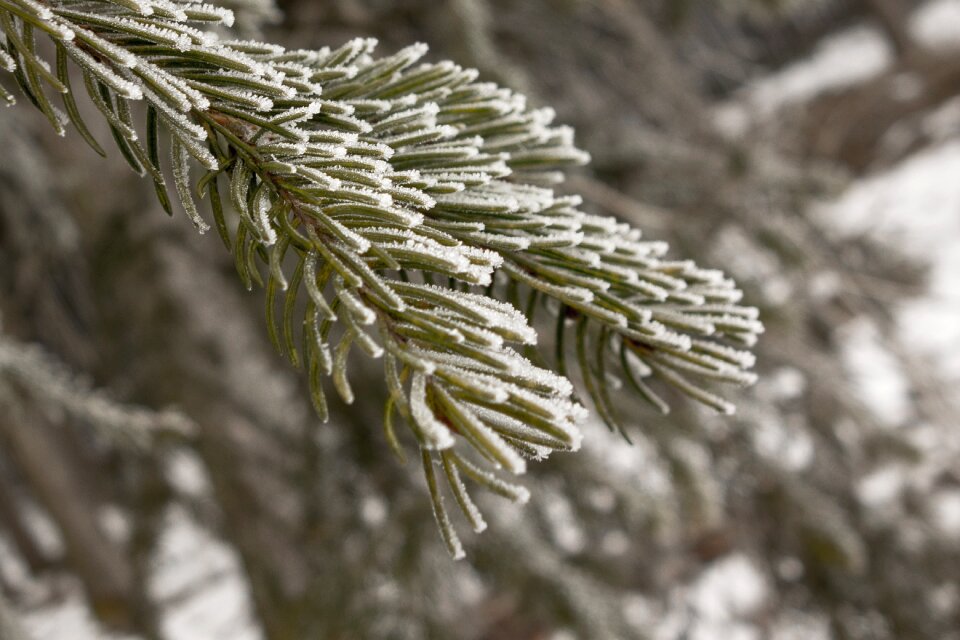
{"x": 402, "y": 207}
{"x": 27, "y": 370}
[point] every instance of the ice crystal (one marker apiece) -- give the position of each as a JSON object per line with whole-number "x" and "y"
{"x": 378, "y": 177}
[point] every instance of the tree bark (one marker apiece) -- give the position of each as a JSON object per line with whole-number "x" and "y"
{"x": 55, "y": 480}
{"x": 10, "y": 627}
{"x": 893, "y": 17}
{"x": 10, "y": 519}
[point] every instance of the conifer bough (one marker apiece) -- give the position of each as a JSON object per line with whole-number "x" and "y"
{"x": 386, "y": 204}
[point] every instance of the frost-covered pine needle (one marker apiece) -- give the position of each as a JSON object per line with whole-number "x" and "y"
{"x": 395, "y": 190}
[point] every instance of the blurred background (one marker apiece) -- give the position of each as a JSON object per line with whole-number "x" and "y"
{"x": 163, "y": 477}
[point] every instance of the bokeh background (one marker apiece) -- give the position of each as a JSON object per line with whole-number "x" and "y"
{"x": 162, "y": 475}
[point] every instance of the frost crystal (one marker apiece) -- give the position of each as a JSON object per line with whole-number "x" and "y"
{"x": 379, "y": 177}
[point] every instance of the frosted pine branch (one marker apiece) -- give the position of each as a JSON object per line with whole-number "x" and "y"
{"x": 375, "y": 178}
{"x": 31, "y": 371}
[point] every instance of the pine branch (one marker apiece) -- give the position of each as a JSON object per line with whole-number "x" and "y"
{"x": 31, "y": 371}
{"x": 373, "y": 177}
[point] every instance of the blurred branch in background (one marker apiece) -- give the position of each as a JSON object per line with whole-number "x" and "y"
{"x": 894, "y": 18}
{"x": 10, "y": 626}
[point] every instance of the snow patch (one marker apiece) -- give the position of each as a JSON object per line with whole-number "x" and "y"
{"x": 879, "y": 380}
{"x": 937, "y": 23}
{"x": 199, "y": 581}
{"x": 840, "y": 60}
{"x": 915, "y": 207}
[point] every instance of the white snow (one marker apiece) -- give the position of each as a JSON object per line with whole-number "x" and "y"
{"x": 50, "y": 610}
{"x": 186, "y": 474}
{"x": 937, "y": 23}
{"x": 565, "y": 529}
{"x": 846, "y": 58}
{"x": 801, "y": 626}
{"x": 68, "y": 618}
{"x": 881, "y": 384}
{"x": 831, "y": 66}
{"x": 199, "y": 580}
{"x": 783, "y": 441}
{"x": 881, "y": 488}
{"x": 731, "y": 587}
{"x": 946, "y": 510}
{"x": 915, "y": 206}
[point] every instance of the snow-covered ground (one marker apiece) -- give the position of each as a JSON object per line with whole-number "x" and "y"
{"x": 840, "y": 60}
{"x": 196, "y": 577}
{"x": 201, "y": 577}
{"x": 913, "y": 206}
